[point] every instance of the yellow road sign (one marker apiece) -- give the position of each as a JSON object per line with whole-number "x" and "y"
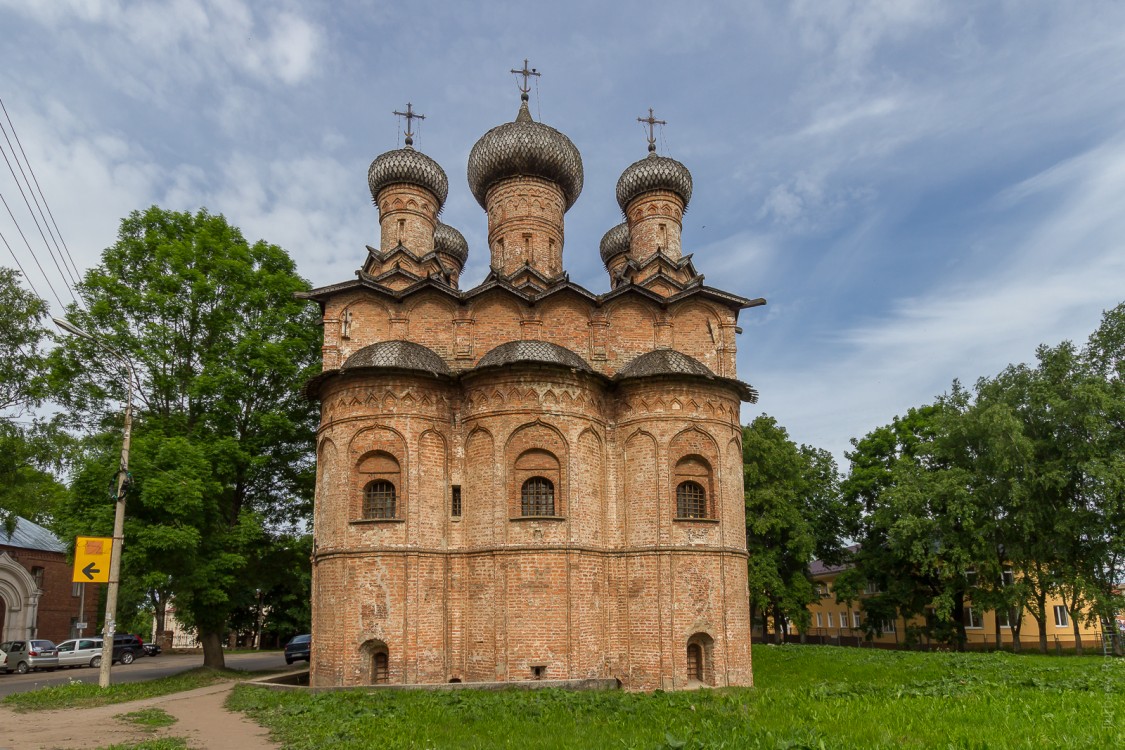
{"x": 91, "y": 559}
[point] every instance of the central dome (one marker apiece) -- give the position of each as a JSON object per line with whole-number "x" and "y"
{"x": 525, "y": 147}
{"x": 654, "y": 173}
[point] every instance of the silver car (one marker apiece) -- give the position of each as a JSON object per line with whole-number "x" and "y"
{"x": 34, "y": 654}
{"x": 80, "y": 652}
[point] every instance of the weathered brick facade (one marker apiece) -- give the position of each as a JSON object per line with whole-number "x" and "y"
{"x": 527, "y": 480}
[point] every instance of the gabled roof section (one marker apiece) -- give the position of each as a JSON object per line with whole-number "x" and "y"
{"x": 28, "y": 535}
{"x": 529, "y": 293}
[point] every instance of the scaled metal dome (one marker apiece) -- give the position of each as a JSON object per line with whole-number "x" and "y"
{"x": 533, "y": 351}
{"x": 402, "y": 355}
{"x": 664, "y": 362}
{"x": 525, "y": 147}
{"x": 451, "y": 242}
{"x": 653, "y": 173}
{"x": 410, "y": 166}
{"x": 615, "y": 242}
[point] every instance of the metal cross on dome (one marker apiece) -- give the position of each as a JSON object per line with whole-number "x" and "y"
{"x": 651, "y": 122}
{"x": 409, "y": 114}
{"x": 525, "y": 87}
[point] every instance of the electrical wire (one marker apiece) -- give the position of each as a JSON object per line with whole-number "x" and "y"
{"x": 20, "y": 266}
{"x": 73, "y": 265}
{"x": 33, "y": 255}
{"x": 27, "y": 203}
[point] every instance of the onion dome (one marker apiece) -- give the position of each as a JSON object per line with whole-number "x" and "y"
{"x": 653, "y": 173}
{"x": 615, "y": 242}
{"x": 410, "y": 166}
{"x": 525, "y": 147}
{"x": 451, "y": 242}
{"x": 533, "y": 351}
{"x": 401, "y": 355}
{"x": 664, "y": 362}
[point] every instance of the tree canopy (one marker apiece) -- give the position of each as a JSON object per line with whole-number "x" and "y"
{"x": 222, "y": 447}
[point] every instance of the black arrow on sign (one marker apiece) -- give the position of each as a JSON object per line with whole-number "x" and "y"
{"x": 89, "y": 570}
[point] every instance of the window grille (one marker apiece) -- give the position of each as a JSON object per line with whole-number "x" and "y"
{"x": 695, "y": 662}
{"x": 382, "y": 673}
{"x": 691, "y": 500}
{"x": 379, "y": 499}
{"x": 455, "y": 509}
{"x": 537, "y": 497}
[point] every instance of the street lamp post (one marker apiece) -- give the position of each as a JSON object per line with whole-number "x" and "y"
{"x": 118, "y": 513}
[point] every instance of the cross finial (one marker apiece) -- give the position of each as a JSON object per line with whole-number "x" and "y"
{"x": 525, "y": 87}
{"x": 651, "y": 122}
{"x": 409, "y": 114}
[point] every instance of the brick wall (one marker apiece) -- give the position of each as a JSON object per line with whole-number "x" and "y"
{"x": 58, "y": 603}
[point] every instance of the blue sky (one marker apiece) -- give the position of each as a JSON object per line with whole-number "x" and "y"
{"x": 922, "y": 190}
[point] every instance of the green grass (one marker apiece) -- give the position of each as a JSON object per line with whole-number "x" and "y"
{"x": 85, "y": 695}
{"x": 164, "y": 743}
{"x": 805, "y": 697}
{"x": 149, "y": 718}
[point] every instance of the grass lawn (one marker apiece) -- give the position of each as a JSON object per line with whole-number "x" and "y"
{"x": 805, "y": 697}
{"x": 85, "y": 695}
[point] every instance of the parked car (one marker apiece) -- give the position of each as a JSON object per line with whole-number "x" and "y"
{"x": 80, "y": 652}
{"x": 126, "y": 648}
{"x": 152, "y": 649}
{"x": 4, "y": 656}
{"x": 297, "y": 649}
{"x": 24, "y": 656}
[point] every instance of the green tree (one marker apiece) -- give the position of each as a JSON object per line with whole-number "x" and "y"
{"x": 1105, "y": 354}
{"x": 222, "y": 436}
{"x": 789, "y": 493}
{"x": 28, "y": 447}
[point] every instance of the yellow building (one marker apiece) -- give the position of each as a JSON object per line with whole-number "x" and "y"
{"x": 836, "y": 622}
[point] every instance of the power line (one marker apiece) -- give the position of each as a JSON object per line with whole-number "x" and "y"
{"x": 27, "y": 203}
{"x": 33, "y": 255}
{"x": 20, "y": 266}
{"x": 73, "y": 265}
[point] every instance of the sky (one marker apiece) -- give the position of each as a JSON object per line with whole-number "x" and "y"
{"x": 923, "y": 191}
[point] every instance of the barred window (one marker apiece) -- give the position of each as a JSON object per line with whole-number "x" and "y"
{"x": 691, "y": 500}
{"x": 537, "y": 497}
{"x": 455, "y": 502}
{"x": 379, "y": 499}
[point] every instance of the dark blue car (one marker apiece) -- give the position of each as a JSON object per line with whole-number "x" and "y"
{"x": 298, "y": 648}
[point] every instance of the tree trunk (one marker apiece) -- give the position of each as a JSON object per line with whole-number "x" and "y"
{"x": 212, "y": 641}
{"x": 996, "y": 622}
{"x": 1017, "y": 646}
{"x": 1077, "y": 635}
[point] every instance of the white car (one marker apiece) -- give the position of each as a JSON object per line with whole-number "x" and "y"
{"x": 80, "y": 652}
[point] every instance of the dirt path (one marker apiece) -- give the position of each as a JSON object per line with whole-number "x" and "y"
{"x": 200, "y": 718}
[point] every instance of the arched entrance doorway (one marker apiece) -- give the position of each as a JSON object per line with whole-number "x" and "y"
{"x": 700, "y": 655}
{"x": 379, "y": 661}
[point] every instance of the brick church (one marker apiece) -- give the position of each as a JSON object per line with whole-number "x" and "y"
{"x": 528, "y": 480}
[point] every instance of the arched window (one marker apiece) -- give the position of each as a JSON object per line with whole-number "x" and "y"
{"x": 381, "y": 479}
{"x": 537, "y": 498}
{"x": 691, "y": 500}
{"x": 379, "y": 499}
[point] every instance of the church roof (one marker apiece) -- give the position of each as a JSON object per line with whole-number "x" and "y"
{"x": 525, "y": 147}
{"x": 664, "y": 362}
{"x": 28, "y": 535}
{"x": 410, "y": 166}
{"x": 533, "y": 351}
{"x": 654, "y": 173}
{"x": 402, "y": 355}
{"x": 614, "y": 242}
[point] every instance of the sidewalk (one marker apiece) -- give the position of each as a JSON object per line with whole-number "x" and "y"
{"x": 200, "y": 718}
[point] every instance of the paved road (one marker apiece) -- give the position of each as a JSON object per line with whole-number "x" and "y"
{"x": 147, "y": 668}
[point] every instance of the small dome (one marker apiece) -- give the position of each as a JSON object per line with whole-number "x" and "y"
{"x": 525, "y": 147}
{"x": 664, "y": 362}
{"x": 654, "y": 173}
{"x": 410, "y": 166}
{"x": 533, "y": 351}
{"x": 615, "y": 242}
{"x": 451, "y": 242}
{"x": 402, "y": 355}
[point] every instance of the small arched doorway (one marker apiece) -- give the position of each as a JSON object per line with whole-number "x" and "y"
{"x": 695, "y": 662}
{"x": 379, "y": 661}
{"x": 700, "y": 657}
